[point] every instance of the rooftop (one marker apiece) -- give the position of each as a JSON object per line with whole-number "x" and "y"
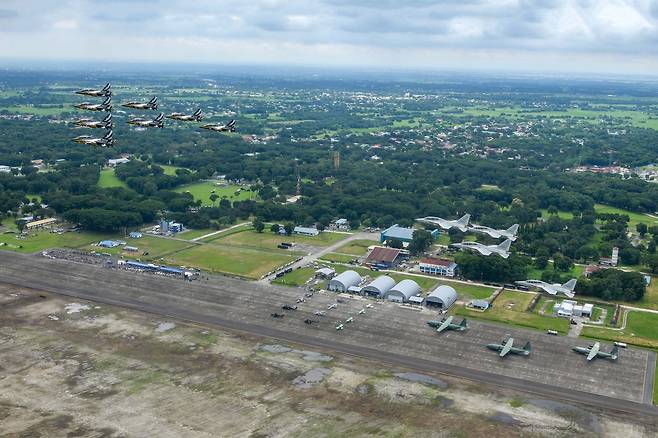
{"x": 438, "y": 262}
{"x": 379, "y": 254}
{"x": 398, "y": 232}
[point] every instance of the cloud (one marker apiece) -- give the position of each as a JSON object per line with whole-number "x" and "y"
{"x": 339, "y": 31}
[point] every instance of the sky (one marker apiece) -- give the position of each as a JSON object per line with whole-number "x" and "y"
{"x": 552, "y": 36}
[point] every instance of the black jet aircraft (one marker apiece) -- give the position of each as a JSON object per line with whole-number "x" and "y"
{"x": 106, "y": 91}
{"x": 106, "y": 123}
{"x": 218, "y": 127}
{"x": 106, "y": 141}
{"x": 194, "y": 117}
{"x": 151, "y": 104}
{"x": 158, "y": 122}
{"x": 106, "y": 105}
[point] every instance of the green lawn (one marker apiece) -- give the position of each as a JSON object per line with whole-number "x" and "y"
{"x": 640, "y": 330}
{"x": 155, "y": 246}
{"x": 339, "y": 258}
{"x": 108, "y": 179}
{"x": 635, "y": 218}
{"x": 41, "y": 110}
{"x": 296, "y": 278}
{"x": 575, "y": 272}
{"x": 243, "y": 262}
{"x": 560, "y": 214}
{"x": 510, "y": 308}
{"x": 193, "y": 234}
{"x": 39, "y": 241}
{"x": 169, "y": 170}
{"x": 201, "y": 191}
{"x": 650, "y": 299}
{"x": 357, "y": 247}
{"x": 268, "y": 240}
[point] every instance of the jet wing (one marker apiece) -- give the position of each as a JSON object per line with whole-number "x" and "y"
{"x": 484, "y": 251}
{"x": 594, "y": 351}
{"x": 445, "y": 324}
{"x": 507, "y": 347}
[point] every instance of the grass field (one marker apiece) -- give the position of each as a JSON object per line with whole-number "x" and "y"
{"x": 510, "y": 308}
{"x": 243, "y": 262}
{"x": 640, "y": 330}
{"x": 201, "y": 191}
{"x": 193, "y": 234}
{"x": 35, "y": 242}
{"x": 650, "y": 299}
{"x": 575, "y": 272}
{"x": 108, "y": 179}
{"x": 357, "y": 247}
{"x": 635, "y": 218}
{"x": 155, "y": 246}
{"x": 560, "y": 214}
{"x": 339, "y": 258}
{"x": 296, "y": 278}
{"x": 169, "y": 170}
{"x": 43, "y": 110}
{"x": 268, "y": 240}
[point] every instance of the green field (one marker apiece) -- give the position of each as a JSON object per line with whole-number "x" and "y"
{"x": 575, "y": 272}
{"x": 357, "y": 247}
{"x": 268, "y": 240}
{"x": 43, "y": 110}
{"x": 635, "y": 218}
{"x": 640, "y": 330}
{"x": 201, "y": 191}
{"x": 338, "y": 258}
{"x": 561, "y": 214}
{"x": 155, "y": 246}
{"x": 650, "y": 299}
{"x": 510, "y": 308}
{"x": 108, "y": 179}
{"x": 169, "y": 170}
{"x": 39, "y": 241}
{"x": 298, "y": 277}
{"x": 243, "y": 262}
{"x": 193, "y": 234}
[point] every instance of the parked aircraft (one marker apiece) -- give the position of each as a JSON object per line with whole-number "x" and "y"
{"x": 368, "y": 306}
{"x": 339, "y": 327}
{"x": 158, "y": 122}
{"x": 507, "y": 346}
{"x": 106, "y": 141}
{"x": 288, "y": 307}
{"x": 509, "y": 233}
{"x": 229, "y": 127}
{"x": 594, "y": 351}
{"x": 461, "y": 224}
{"x": 277, "y": 315}
{"x": 362, "y": 311}
{"x": 551, "y": 289}
{"x": 446, "y": 324}
{"x": 151, "y": 104}
{"x": 332, "y": 306}
{"x": 91, "y": 123}
{"x": 106, "y": 105}
{"x": 194, "y": 117}
{"x": 501, "y": 249}
{"x": 320, "y": 313}
{"x": 106, "y": 91}
{"x": 350, "y": 319}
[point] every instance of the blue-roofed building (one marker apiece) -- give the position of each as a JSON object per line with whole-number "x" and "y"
{"x": 109, "y": 243}
{"x": 135, "y": 235}
{"x": 402, "y": 234}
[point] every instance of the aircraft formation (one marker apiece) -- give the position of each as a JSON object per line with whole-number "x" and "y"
{"x": 141, "y": 122}
{"x": 463, "y": 224}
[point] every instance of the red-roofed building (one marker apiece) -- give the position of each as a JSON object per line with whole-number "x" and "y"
{"x": 383, "y": 257}
{"x": 430, "y": 265}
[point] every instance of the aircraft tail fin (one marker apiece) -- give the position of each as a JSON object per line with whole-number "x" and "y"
{"x": 107, "y": 101}
{"x": 107, "y": 87}
{"x": 527, "y": 347}
{"x": 614, "y": 352}
{"x": 571, "y": 284}
{"x": 197, "y": 112}
{"x": 505, "y": 245}
{"x": 153, "y": 100}
{"x": 513, "y": 229}
{"x": 464, "y": 323}
{"x": 464, "y": 219}
{"x": 108, "y": 118}
{"x": 159, "y": 118}
{"x": 109, "y": 135}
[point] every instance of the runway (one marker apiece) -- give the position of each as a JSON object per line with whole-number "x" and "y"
{"x": 386, "y": 333}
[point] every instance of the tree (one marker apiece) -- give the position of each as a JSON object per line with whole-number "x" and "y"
{"x": 552, "y": 210}
{"x": 420, "y": 242}
{"x": 213, "y": 197}
{"x": 541, "y": 262}
{"x": 274, "y": 228}
{"x": 259, "y": 226}
{"x": 641, "y": 228}
{"x": 562, "y": 263}
{"x": 395, "y": 243}
{"x": 288, "y": 227}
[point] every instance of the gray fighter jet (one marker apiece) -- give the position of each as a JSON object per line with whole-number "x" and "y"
{"x": 106, "y": 123}
{"x": 106, "y": 141}
{"x": 594, "y": 351}
{"x": 194, "y": 117}
{"x": 501, "y": 249}
{"x": 106, "y": 105}
{"x": 106, "y": 91}
{"x": 148, "y": 123}
{"x": 551, "y": 289}
{"x": 218, "y": 127}
{"x": 461, "y": 224}
{"x": 151, "y": 104}
{"x": 509, "y": 233}
{"x": 507, "y": 346}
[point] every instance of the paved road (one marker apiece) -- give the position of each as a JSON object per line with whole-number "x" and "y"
{"x": 387, "y": 333}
